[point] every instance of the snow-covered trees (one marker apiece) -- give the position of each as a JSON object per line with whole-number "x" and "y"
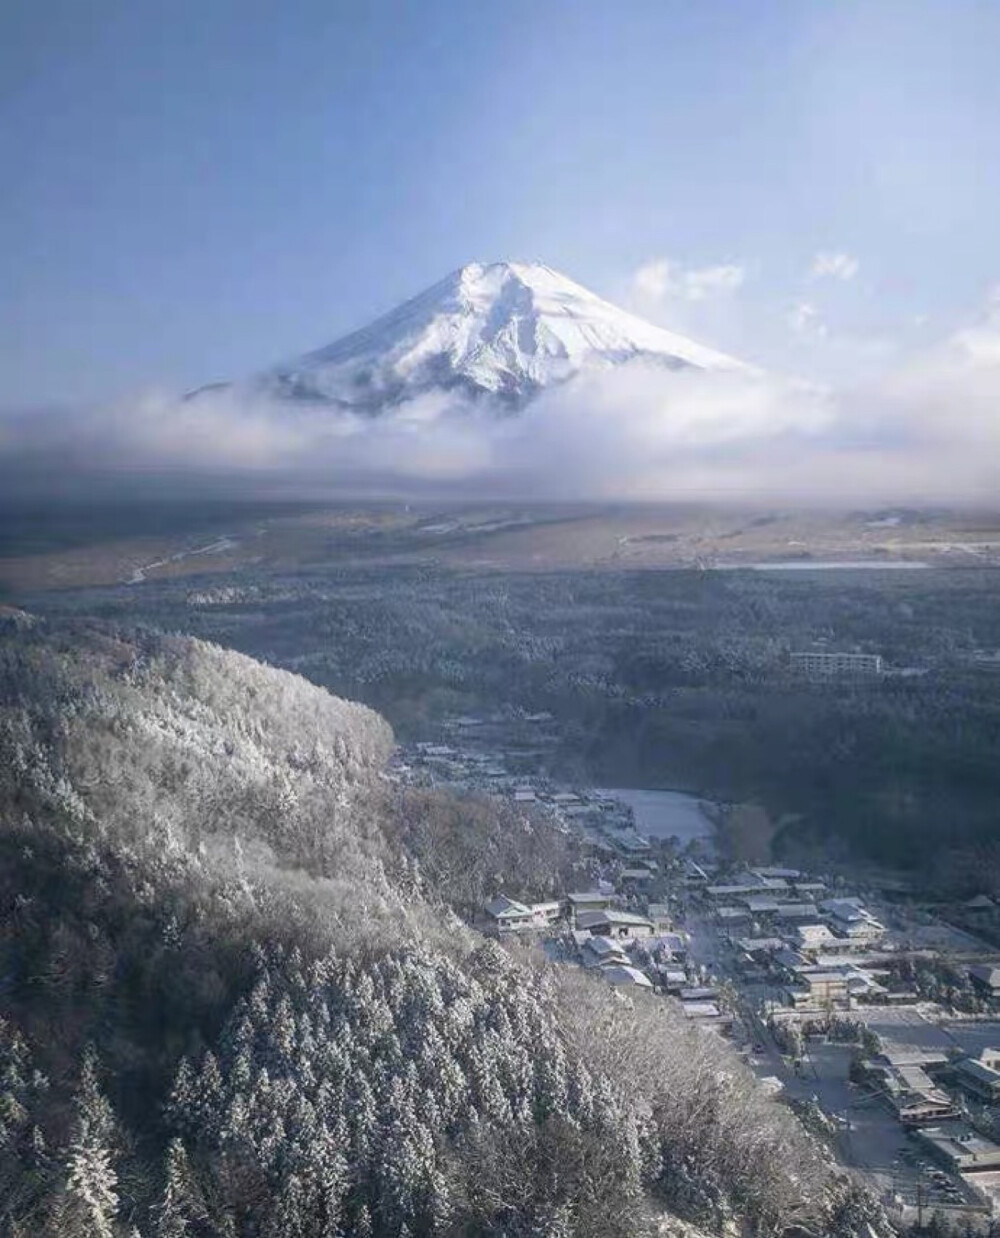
{"x": 88, "y": 1206}
{"x": 289, "y": 1042}
{"x": 448, "y": 1087}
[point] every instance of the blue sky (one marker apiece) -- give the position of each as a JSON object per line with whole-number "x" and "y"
{"x": 194, "y": 190}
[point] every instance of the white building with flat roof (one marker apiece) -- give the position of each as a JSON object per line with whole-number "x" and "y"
{"x": 826, "y": 664}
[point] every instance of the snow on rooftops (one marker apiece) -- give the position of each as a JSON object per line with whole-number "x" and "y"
{"x": 701, "y": 1010}
{"x": 759, "y": 904}
{"x": 622, "y": 974}
{"x": 614, "y": 916}
{"x": 507, "y": 907}
{"x": 757, "y": 945}
{"x": 847, "y": 909}
{"x": 602, "y": 946}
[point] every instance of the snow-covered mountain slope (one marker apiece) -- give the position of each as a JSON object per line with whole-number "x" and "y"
{"x": 504, "y": 330}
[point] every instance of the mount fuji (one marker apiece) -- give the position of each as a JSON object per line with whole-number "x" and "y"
{"x": 502, "y": 331}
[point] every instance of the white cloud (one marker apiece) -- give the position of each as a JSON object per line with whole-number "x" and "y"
{"x": 713, "y": 281}
{"x": 805, "y": 319}
{"x": 832, "y": 264}
{"x": 925, "y": 432}
{"x": 654, "y": 279}
{"x": 662, "y": 278}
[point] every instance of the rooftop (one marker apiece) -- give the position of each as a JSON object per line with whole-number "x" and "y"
{"x": 759, "y": 904}
{"x": 602, "y": 946}
{"x": 753, "y": 944}
{"x": 844, "y": 909}
{"x": 701, "y": 1010}
{"x": 504, "y": 906}
{"x": 622, "y": 974}
{"x": 960, "y": 1143}
{"x": 614, "y": 916}
{"x": 977, "y": 1070}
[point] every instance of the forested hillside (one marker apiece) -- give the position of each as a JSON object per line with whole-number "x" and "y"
{"x": 235, "y": 1001}
{"x": 664, "y": 679}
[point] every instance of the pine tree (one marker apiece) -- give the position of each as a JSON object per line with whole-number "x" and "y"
{"x": 182, "y": 1204}
{"x": 89, "y": 1202}
{"x": 291, "y": 1216}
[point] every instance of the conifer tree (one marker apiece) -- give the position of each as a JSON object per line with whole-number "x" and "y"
{"x": 182, "y": 1204}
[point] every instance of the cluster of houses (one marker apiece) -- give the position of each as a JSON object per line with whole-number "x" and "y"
{"x": 628, "y": 949}
{"x": 928, "y": 1091}
{"x": 587, "y": 914}
{"x": 784, "y": 930}
{"x": 640, "y": 951}
{"x": 480, "y": 759}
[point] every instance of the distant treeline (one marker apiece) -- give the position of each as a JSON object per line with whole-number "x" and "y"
{"x": 667, "y": 679}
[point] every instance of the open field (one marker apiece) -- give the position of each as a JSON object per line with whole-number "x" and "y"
{"x": 61, "y": 548}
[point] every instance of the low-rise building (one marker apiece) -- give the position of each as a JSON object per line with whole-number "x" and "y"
{"x": 586, "y": 900}
{"x": 547, "y": 914}
{"x": 986, "y": 980}
{"x": 624, "y": 976}
{"x": 793, "y": 913}
{"x": 700, "y": 1010}
{"x": 745, "y": 886}
{"x": 699, "y": 994}
{"x": 672, "y": 979}
{"x": 910, "y": 1092}
{"x": 960, "y": 1147}
{"x": 760, "y": 947}
{"x": 674, "y": 944}
{"x": 849, "y": 919}
{"x": 980, "y": 1076}
{"x": 761, "y": 904}
{"x": 660, "y": 915}
{"x": 707, "y": 1015}
{"x": 789, "y": 960}
{"x": 814, "y": 937}
{"x": 811, "y": 888}
{"x": 693, "y": 874}
{"x": 507, "y": 915}
{"x": 815, "y": 988}
{"x": 601, "y": 952}
{"x": 732, "y": 916}
{"x": 615, "y": 923}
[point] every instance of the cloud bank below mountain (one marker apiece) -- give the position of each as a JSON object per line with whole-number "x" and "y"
{"x": 927, "y": 432}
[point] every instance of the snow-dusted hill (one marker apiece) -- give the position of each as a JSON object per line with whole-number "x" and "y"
{"x": 505, "y": 330}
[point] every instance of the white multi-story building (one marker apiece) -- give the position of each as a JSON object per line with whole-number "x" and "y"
{"x": 837, "y": 664}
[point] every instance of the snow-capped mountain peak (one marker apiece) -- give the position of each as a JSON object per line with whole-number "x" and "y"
{"x": 504, "y": 330}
